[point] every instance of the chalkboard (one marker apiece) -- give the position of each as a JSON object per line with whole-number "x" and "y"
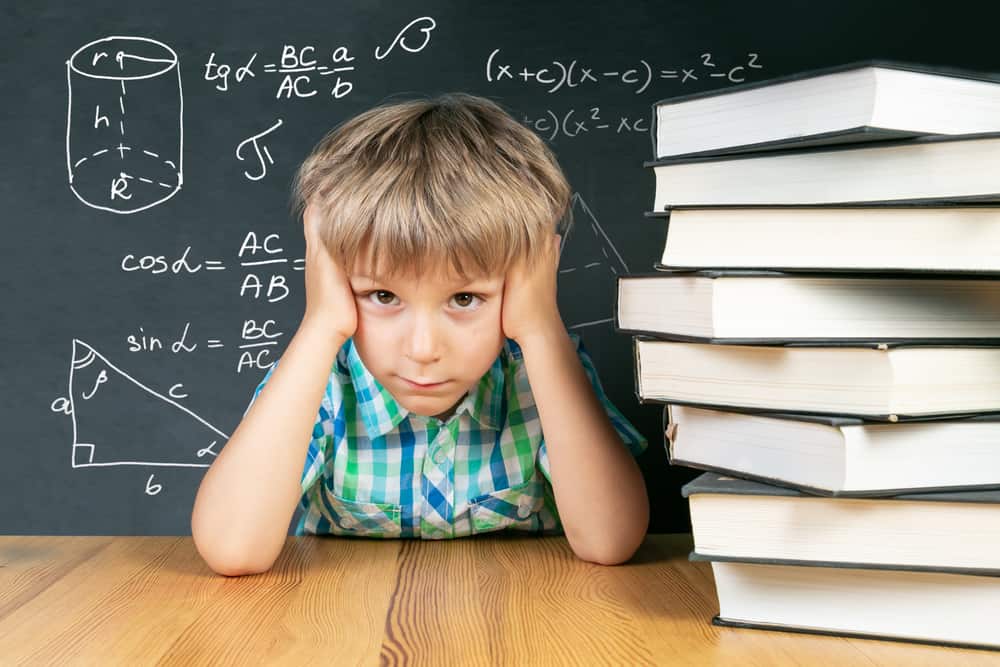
{"x": 149, "y": 280}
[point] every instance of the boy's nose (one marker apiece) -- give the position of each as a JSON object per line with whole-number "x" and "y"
{"x": 424, "y": 340}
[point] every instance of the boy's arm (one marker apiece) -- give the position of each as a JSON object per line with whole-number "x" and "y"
{"x": 598, "y": 486}
{"x": 249, "y": 494}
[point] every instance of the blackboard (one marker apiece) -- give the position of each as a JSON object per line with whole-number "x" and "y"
{"x": 141, "y": 306}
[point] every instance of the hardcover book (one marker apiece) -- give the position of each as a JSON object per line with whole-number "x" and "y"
{"x": 862, "y": 101}
{"x": 879, "y": 381}
{"x": 925, "y": 607}
{"x": 878, "y": 239}
{"x": 738, "y": 519}
{"x": 760, "y": 306}
{"x": 932, "y": 169}
{"x": 837, "y": 456}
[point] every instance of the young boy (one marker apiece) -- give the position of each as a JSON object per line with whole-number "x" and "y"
{"x": 432, "y": 234}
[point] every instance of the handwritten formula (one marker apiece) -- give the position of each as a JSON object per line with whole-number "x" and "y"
{"x": 557, "y": 75}
{"x": 296, "y": 65}
{"x": 262, "y": 258}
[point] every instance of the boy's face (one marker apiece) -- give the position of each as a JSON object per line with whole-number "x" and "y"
{"x": 427, "y": 338}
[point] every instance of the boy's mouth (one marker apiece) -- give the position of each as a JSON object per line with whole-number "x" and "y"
{"x": 423, "y": 384}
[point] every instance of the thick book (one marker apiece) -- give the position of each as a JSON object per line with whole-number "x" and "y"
{"x": 760, "y": 306}
{"x": 924, "y": 607}
{"x": 962, "y": 239}
{"x": 838, "y": 456}
{"x": 861, "y": 101}
{"x": 880, "y": 381}
{"x": 739, "y": 519}
{"x": 929, "y": 169}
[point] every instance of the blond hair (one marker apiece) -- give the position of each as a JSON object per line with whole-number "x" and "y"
{"x": 422, "y": 182}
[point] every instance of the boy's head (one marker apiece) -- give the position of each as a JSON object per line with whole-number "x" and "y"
{"x": 427, "y": 204}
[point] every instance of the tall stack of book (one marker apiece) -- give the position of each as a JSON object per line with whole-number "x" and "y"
{"x": 824, "y": 330}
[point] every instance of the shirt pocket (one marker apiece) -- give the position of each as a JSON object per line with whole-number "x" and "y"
{"x": 361, "y": 519}
{"x": 514, "y": 508}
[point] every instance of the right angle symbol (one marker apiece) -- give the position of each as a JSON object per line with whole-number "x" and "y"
{"x": 125, "y": 124}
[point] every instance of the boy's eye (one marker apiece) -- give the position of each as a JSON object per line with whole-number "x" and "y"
{"x": 464, "y": 300}
{"x": 379, "y": 294}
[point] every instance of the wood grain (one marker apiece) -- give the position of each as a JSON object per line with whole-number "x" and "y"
{"x": 486, "y": 600}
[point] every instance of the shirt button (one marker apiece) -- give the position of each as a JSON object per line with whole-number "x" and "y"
{"x": 524, "y": 506}
{"x": 347, "y": 521}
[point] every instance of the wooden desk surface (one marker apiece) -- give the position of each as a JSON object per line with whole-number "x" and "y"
{"x": 488, "y": 600}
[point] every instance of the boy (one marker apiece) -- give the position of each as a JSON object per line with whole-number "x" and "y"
{"x": 432, "y": 249}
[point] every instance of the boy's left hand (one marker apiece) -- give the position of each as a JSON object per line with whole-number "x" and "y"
{"x": 529, "y": 297}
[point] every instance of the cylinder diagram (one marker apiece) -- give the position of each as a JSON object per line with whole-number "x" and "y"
{"x": 125, "y": 124}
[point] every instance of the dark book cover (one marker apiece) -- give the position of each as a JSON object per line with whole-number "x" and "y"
{"x": 862, "y": 134}
{"x": 950, "y": 274}
{"x": 712, "y": 482}
{"x": 876, "y": 206}
{"x": 846, "y": 565}
{"x": 794, "y": 149}
{"x": 810, "y": 342}
{"x": 722, "y": 622}
{"x": 722, "y": 272}
{"x": 816, "y": 491}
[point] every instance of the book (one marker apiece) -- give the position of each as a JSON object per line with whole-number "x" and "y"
{"x": 760, "y": 306}
{"x": 924, "y": 607}
{"x": 837, "y": 456}
{"x": 738, "y": 519}
{"x": 861, "y": 101}
{"x": 929, "y": 168}
{"x": 878, "y": 239}
{"x": 879, "y": 381}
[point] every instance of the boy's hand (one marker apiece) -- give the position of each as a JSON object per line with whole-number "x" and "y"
{"x": 329, "y": 298}
{"x": 529, "y": 297}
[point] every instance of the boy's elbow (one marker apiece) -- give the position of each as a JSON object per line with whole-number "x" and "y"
{"x": 615, "y": 548}
{"x": 239, "y": 571}
{"x": 230, "y": 565}
{"x": 222, "y": 560}
{"x": 610, "y": 555}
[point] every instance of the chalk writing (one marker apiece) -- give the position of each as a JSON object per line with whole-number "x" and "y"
{"x": 556, "y": 74}
{"x": 258, "y": 147}
{"x": 298, "y": 63}
{"x": 573, "y": 123}
{"x": 98, "y": 387}
{"x": 588, "y": 264}
{"x": 116, "y": 158}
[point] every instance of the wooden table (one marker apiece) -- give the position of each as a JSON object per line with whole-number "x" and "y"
{"x": 487, "y": 600}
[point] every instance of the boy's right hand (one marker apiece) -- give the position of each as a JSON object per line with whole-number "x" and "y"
{"x": 329, "y": 297}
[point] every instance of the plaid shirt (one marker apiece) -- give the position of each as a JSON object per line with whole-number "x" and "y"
{"x": 374, "y": 469}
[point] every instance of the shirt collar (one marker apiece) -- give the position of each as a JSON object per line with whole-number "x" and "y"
{"x": 381, "y": 413}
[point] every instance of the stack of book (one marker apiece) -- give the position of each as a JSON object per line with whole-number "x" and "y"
{"x": 824, "y": 330}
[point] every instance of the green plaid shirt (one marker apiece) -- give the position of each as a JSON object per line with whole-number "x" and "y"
{"x": 373, "y": 469}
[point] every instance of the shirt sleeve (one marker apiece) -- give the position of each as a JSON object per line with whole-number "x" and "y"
{"x": 631, "y": 437}
{"x": 320, "y": 443}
